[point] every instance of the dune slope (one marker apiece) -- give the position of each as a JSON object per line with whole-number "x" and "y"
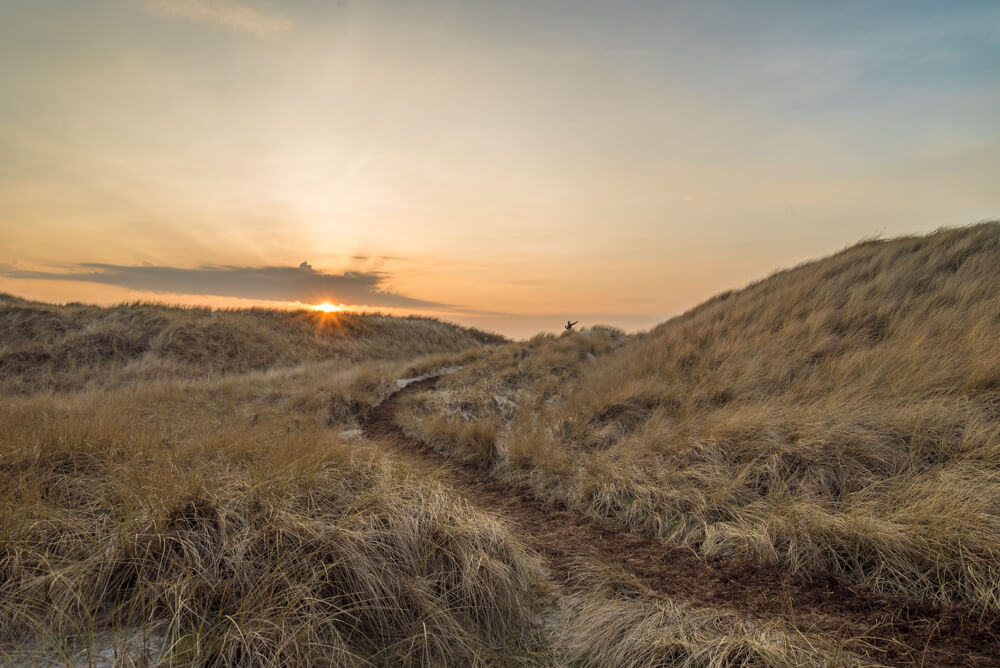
{"x": 71, "y": 347}
{"x": 841, "y": 417}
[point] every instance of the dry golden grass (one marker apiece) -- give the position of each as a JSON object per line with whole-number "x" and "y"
{"x": 239, "y": 519}
{"x": 66, "y": 348}
{"x": 840, "y": 417}
{"x": 607, "y": 619}
{"x": 187, "y": 486}
{"x": 227, "y": 524}
{"x": 184, "y": 487}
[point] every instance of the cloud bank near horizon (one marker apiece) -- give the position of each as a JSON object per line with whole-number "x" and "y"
{"x": 287, "y": 284}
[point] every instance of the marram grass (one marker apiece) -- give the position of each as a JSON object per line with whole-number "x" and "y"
{"x": 840, "y": 417}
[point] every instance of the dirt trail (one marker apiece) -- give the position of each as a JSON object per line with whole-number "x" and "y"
{"x": 888, "y": 631}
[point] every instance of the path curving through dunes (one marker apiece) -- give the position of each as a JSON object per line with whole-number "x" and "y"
{"x": 886, "y": 630}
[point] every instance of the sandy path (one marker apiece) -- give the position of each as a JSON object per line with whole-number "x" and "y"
{"x": 888, "y": 631}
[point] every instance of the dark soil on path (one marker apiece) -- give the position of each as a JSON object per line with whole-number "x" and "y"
{"x": 886, "y": 630}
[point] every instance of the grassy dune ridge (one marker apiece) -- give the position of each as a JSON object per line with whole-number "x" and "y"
{"x": 839, "y": 417}
{"x": 66, "y": 348}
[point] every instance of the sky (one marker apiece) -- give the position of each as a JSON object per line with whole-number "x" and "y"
{"x": 506, "y": 165}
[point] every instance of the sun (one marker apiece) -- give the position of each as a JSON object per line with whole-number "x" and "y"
{"x": 326, "y": 307}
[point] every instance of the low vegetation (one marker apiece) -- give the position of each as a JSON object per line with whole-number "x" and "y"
{"x": 72, "y": 347}
{"x": 193, "y": 487}
{"x": 606, "y": 619}
{"x": 223, "y": 522}
{"x": 841, "y": 417}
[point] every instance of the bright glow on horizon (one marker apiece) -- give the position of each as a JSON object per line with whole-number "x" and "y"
{"x": 327, "y": 307}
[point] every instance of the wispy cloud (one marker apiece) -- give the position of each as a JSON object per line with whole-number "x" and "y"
{"x": 289, "y": 284}
{"x": 227, "y": 13}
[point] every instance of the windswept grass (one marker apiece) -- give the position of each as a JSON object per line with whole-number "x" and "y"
{"x": 226, "y": 521}
{"x": 840, "y": 417}
{"x": 189, "y": 487}
{"x": 228, "y": 525}
{"x": 606, "y": 619}
{"x": 647, "y": 632}
{"x": 67, "y": 348}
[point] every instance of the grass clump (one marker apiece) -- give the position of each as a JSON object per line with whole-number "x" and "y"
{"x": 224, "y": 540}
{"x": 839, "y": 418}
{"x": 650, "y": 632}
{"x": 606, "y": 618}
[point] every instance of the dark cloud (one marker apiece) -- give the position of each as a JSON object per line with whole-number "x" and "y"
{"x": 289, "y": 284}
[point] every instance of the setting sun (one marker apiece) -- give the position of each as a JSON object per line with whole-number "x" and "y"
{"x": 327, "y": 307}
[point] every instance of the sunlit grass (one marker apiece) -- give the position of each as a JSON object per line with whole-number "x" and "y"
{"x": 174, "y": 487}
{"x": 225, "y": 523}
{"x": 840, "y": 417}
{"x": 74, "y": 347}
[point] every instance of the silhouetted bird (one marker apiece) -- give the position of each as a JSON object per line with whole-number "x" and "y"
{"x": 569, "y": 325}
